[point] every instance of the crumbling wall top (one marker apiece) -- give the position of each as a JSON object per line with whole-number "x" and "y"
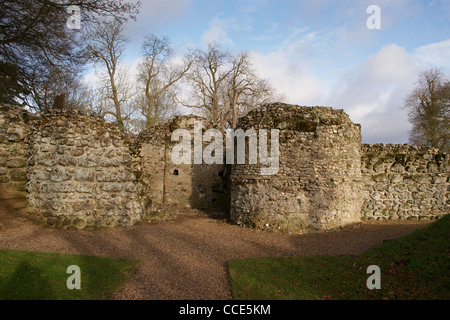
{"x": 293, "y": 117}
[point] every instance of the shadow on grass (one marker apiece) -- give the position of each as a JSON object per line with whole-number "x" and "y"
{"x": 25, "y": 283}
{"x": 43, "y": 276}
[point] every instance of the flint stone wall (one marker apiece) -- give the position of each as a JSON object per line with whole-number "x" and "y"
{"x": 79, "y": 173}
{"x": 13, "y": 157}
{"x": 404, "y": 182}
{"x": 182, "y": 186}
{"x": 318, "y": 185}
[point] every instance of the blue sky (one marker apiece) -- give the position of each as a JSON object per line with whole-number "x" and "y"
{"x": 318, "y": 52}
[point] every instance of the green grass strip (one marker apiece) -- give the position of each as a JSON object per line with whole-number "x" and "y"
{"x": 42, "y": 276}
{"x": 416, "y": 266}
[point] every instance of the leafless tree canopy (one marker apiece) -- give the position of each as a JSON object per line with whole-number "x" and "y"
{"x": 158, "y": 77}
{"x": 36, "y": 47}
{"x": 106, "y": 48}
{"x": 42, "y": 60}
{"x": 225, "y": 86}
{"x": 429, "y": 111}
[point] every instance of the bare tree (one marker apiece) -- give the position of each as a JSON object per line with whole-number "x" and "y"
{"x": 262, "y": 93}
{"x": 159, "y": 76}
{"x": 163, "y": 107}
{"x": 226, "y": 86}
{"x": 35, "y": 44}
{"x": 106, "y": 49}
{"x": 58, "y": 87}
{"x": 97, "y": 98}
{"x": 245, "y": 89}
{"x": 207, "y": 80}
{"x": 241, "y": 79}
{"x": 429, "y": 110}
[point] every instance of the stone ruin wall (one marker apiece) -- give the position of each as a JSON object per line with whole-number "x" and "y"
{"x": 318, "y": 185}
{"x": 183, "y": 186}
{"x": 404, "y": 182}
{"x": 13, "y": 158}
{"x": 80, "y": 172}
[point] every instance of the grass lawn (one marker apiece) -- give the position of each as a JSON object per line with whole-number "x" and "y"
{"x": 42, "y": 276}
{"x": 416, "y": 266}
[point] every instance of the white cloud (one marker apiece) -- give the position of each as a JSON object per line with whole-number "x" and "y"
{"x": 376, "y": 90}
{"x": 218, "y": 31}
{"x": 435, "y": 55}
{"x": 291, "y": 67}
{"x": 373, "y": 94}
{"x": 317, "y": 67}
{"x": 290, "y": 77}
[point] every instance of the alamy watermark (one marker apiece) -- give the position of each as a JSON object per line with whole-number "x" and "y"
{"x": 74, "y": 21}
{"x": 186, "y": 153}
{"x": 374, "y": 21}
{"x": 74, "y": 281}
{"x": 374, "y": 281}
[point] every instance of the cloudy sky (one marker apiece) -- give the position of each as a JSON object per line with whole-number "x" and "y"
{"x": 318, "y": 52}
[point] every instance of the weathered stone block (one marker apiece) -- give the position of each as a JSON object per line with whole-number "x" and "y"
{"x": 421, "y": 178}
{"x": 109, "y": 176}
{"x": 88, "y": 162}
{"x": 18, "y": 175}
{"x": 60, "y": 174}
{"x": 111, "y": 187}
{"x": 67, "y": 161}
{"x": 63, "y": 187}
{"x": 86, "y": 188}
{"x": 84, "y": 175}
{"x": 16, "y": 163}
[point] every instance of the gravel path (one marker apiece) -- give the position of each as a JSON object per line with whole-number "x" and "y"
{"x": 186, "y": 258}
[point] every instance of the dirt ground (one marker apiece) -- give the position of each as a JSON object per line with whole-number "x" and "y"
{"x": 186, "y": 258}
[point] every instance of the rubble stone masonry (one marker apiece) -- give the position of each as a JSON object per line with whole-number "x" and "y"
{"x": 78, "y": 171}
{"x": 178, "y": 186}
{"x": 318, "y": 184}
{"x": 13, "y": 158}
{"x": 404, "y": 182}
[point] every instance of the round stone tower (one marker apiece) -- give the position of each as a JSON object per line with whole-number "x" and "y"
{"x": 317, "y": 185}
